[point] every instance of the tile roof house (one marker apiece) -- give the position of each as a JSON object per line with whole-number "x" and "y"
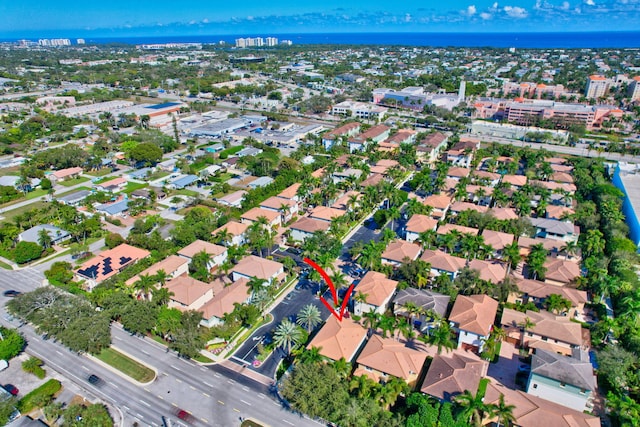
{"x": 516, "y": 181}
{"x": 537, "y": 292}
{"x": 305, "y": 227}
{"x": 62, "y": 174}
{"x": 562, "y": 177}
{"x": 503, "y": 214}
{"x": 399, "y": 251}
{"x": 378, "y": 290}
{"x": 558, "y": 212}
{"x": 443, "y": 263}
{"x": 525, "y": 243}
{"x": 173, "y": 266}
{"x": 324, "y": 213}
{"x": 233, "y": 199}
{"x": 431, "y": 146}
{"x": 417, "y": 224}
{"x": 447, "y": 228}
{"x": 375, "y": 133}
{"x": 497, "y": 239}
{"x": 458, "y": 207}
{"x": 568, "y": 381}
{"x": 344, "y": 201}
{"x": 291, "y": 192}
{"x": 330, "y": 138}
{"x": 339, "y": 339}
{"x": 490, "y": 271}
{"x": 549, "y": 332}
{"x": 253, "y": 266}
{"x": 113, "y": 185}
{"x": 274, "y": 218}
{"x": 218, "y": 253}
{"x": 560, "y": 271}
{"x": 188, "y": 293}
{"x": 236, "y": 231}
{"x": 479, "y": 194}
{"x": 372, "y": 180}
{"x": 457, "y": 172}
{"x": 462, "y": 153}
{"x": 109, "y": 263}
{"x": 382, "y": 358}
{"x": 488, "y": 178}
{"x": 428, "y": 301}
{"x": 532, "y": 411}
{"x": 452, "y": 373}
{"x": 440, "y": 204}
{"x": 554, "y": 229}
{"x": 223, "y": 302}
{"x": 286, "y": 208}
{"x": 472, "y": 318}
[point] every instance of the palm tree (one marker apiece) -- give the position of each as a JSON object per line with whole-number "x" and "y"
{"x": 44, "y": 239}
{"x": 511, "y": 254}
{"x": 161, "y": 277}
{"x": 223, "y": 237}
{"x": 473, "y": 408}
{"x": 412, "y": 309}
{"x": 387, "y": 324}
{"x": 310, "y": 356}
{"x": 393, "y": 213}
{"x": 441, "y": 337}
{"x": 371, "y": 319}
{"x": 309, "y": 317}
{"x": 144, "y": 284}
{"x": 200, "y": 264}
{"x": 256, "y": 284}
{"x": 427, "y": 238}
{"x": 161, "y": 296}
{"x": 287, "y": 335}
{"x": 570, "y": 248}
{"x": 504, "y": 412}
{"x": 526, "y": 324}
{"x": 363, "y": 384}
{"x": 342, "y": 367}
{"x": 535, "y": 261}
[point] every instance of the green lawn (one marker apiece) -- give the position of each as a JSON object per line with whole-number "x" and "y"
{"x": 75, "y": 190}
{"x": 29, "y": 196}
{"x": 5, "y": 266}
{"x": 101, "y": 172}
{"x": 9, "y": 215}
{"x": 133, "y": 186}
{"x": 126, "y": 365}
{"x": 74, "y": 181}
{"x": 202, "y": 359}
{"x": 249, "y": 423}
{"x": 185, "y": 192}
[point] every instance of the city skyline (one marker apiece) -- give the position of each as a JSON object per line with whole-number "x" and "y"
{"x": 37, "y": 18}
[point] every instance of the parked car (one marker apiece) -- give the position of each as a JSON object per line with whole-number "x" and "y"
{"x": 11, "y": 293}
{"x": 184, "y": 415}
{"x": 11, "y": 389}
{"x": 3, "y": 365}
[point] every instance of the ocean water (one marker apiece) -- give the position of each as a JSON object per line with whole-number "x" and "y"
{"x": 497, "y": 40}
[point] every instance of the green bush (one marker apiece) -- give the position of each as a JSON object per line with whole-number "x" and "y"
{"x": 39, "y": 397}
{"x": 26, "y": 251}
{"x": 34, "y": 366}
{"x": 11, "y": 344}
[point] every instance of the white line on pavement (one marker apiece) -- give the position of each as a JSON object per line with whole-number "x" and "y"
{"x": 231, "y": 381}
{"x": 176, "y": 368}
{"x": 207, "y": 384}
{"x": 245, "y": 388}
{"x": 145, "y": 353}
{"x": 261, "y": 395}
{"x": 145, "y": 403}
{"x": 85, "y": 368}
{"x": 140, "y": 415}
{"x": 206, "y": 395}
{"x": 58, "y": 352}
{"x": 290, "y": 423}
{"x": 118, "y": 338}
{"x": 245, "y": 402}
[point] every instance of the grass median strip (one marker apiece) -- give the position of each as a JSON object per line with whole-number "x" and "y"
{"x": 126, "y": 365}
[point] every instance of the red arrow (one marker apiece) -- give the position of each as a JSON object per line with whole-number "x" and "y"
{"x": 334, "y": 294}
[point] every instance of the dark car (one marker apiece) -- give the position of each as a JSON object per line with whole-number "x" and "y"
{"x": 94, "y": 379}
{"x": 11, "y": 389}
{"x": 11, "y": 293}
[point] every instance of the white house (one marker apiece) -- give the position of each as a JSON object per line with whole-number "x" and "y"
{"x": 218, "y": 253}
{"x": 472, "y": 318}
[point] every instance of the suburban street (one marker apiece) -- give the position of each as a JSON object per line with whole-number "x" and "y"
{"x": 213, "y": 395}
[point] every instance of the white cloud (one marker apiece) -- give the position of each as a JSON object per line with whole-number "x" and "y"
{"x": 471, "y": 10}
{"x": 407, "y": 17}
{"x": 517, "y": 12}
{"x": 205, "y": 21}
{"x": 565, "y": 5}
{"x": 486, "y": 16}
{"x": 589, "y": 2}
{"x": 494, "y": 8}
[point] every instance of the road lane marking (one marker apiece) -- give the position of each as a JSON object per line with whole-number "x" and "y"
{"x": 139, "y": 414}
{"x": 203, "y": 369}
{"x": 179, "y": 380}
{"x": 231, "y": 381}
{"x": 192, "y": 387}
{"x": 245, "y": 388}
{"x": 85, "y": 368}
{"x": 147, "y": 390}
{"x": 207, "y": 384}
{"x": 113, "y": 384}
{"x": 261, "y": 395}
{"x": 206, "y": 394}
{"x": 245, "y": 402}
{"x": 160, "y": 397}
{"x": 145, "y": 353}
{"x": 290, "y": 423}
{"x": 221, "y": 402}
{"x": 118, "y": 338}
{"x": 217, "y": 375}
{"x": 204, "y": 420}
{"x": 275, "y": 403}
{"x": 176, "y": 368}
{"x": 174, "y": 404}
{"x": 58, "y": 352}
{"x": 145, "y": 403}
{"x": 126, "y": 408}
{"x": 238, "y": 410}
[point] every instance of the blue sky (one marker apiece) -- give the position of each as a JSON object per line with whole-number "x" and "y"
{"x": 25, "y": 18}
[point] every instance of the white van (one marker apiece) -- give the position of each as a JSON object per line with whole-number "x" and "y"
{"x": 3, "y": 365}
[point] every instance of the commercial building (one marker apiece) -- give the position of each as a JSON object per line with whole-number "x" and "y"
{"x": 633, "y": 91}
{"x": 597, "y": 86}
{"x": 627, "y": 179}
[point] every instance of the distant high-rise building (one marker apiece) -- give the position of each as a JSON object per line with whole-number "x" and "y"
{"x": 634, "y": 89}
{"x": 241, "y": 43}
{"x": 80, "y": 41}
{"x": 286, "y": 42}
{"x": 597, "y": 86}
{"x": 272, "y": 41}
{"x": 462, "y": 90}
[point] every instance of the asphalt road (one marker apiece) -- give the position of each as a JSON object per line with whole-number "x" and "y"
{"x": 214, "y": 395}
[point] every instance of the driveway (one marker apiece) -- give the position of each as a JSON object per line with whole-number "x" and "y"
{"x": 507, "y": 367}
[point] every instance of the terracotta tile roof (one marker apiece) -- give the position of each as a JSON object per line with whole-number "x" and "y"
{"x": 63, "y": 173}
{"x": 560, "y": 270}
{"x": 447, "y": 228}
{"x": 373, "y": 179}
{"x": 561, "y": 168}
{"x": 111, "y": 262}
{"x": 472, "y": 189}
{"x": 325, "y": 213}
{"x": 542, "y": 290}
{"x": 443, "y": 261}
{"x": 548, "y": 325}
{"x": 548, "y": 244}
{"x": 475, "y": 313}
{"x": 276, "y": 203}
{"x": 451, "y": 374}
{"x": 438, "y": 201}
{"x": 517, "y": 180}
{"x": 401, "y": 136}
{"x": 557, "y": 212}
{"x": 290, "y": 192}
{"x": 532, "y": 411}
{"x": 490, "y": 271}
{"x": 342, "y": 202}
{"x": 255, "y": 213}
{"x": 187, "y": 290}
{"x": 253, "y": 266}
{"x": 224, "y": 299}
{"x": 504, "y": 213}
{"x": 113, "y": 182}
{"x": 199, "y": 246}
{"x": 466, "y": 206}
{"x": 338, "y": 340}
{"x": 433, "y": 140}
{"x": 169, "y": 265}
{"x": 232, "y": 198}
{"x": 232, "y": 227}
{"x": 555, "y": 160}
{"x": 398, "y": 250}
{"x": 419, "y": 223}
{"x": 377, "y": 287}
{"x": 310, "y": 225}
{"x": 486, "y": 175}
{"x": 550, "y": 185}
{"x": 342, "y": 130}
{"x": 561, "y": 177}
{"x": 497, "y": 239}
{"x": 392, "y": 357}
{"x": 458, "y": 172}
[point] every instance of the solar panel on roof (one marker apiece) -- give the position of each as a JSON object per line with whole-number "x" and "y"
{"x": 124, "y": 260}
{"x": 107, "y": 270}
